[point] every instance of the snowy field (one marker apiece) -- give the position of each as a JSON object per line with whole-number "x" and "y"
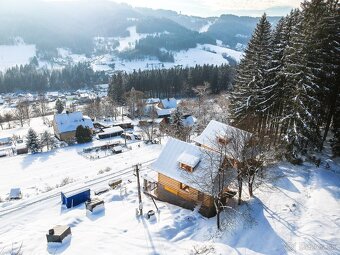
{"x": 296, "y": 212}
{"x": 11, "y": 55}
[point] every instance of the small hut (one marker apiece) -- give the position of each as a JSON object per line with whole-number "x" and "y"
{"x": 94, "y": 204}
{"x": 15, "y": 193}
{"x": 75, "y": 198}
{"x": 58, "y": 234}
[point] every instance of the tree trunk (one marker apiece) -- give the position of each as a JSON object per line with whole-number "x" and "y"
{"x": 239, "y": 180}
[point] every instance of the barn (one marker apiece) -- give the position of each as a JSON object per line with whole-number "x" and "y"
{"x": 110, "y": 132}
{"x": 71, "y": 199}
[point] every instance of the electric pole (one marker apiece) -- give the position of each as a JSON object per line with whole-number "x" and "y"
{"x": 139, "y": 192}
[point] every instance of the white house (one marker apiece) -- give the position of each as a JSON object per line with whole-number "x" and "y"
{"x": 65, "y": 124}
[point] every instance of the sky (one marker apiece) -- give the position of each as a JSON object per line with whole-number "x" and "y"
{"x": 206, "y": 8}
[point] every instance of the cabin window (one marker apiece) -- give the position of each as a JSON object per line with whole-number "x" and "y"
{"x": 184, "y": 187}
{"x": 185, "y": 167}
{"x": 222, "y": 140}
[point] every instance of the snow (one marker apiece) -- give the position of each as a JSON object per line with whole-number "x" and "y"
{"x": 12, "y": 55}
{"x": 129, "y": 42}
{"x": 188, "y": 159}
{"x": 112, "y": 130}
{"x": 296, "y": 212}
{"x": 67, "y": 122}
{"x": 169, "y": 103}
{"x": 216, "y": 130}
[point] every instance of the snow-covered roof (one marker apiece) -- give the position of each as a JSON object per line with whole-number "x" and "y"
{"x": 118, "y": 148}
{"x": 152, "y": 100}
{"x": 189, "y": 121}
{"x": 15, "y": 193}
{"x": 216, "y": 130}
{"x": 169, "y": 103}
{"x": 164, "y": 112}
{"x": 112, "y": 130}
{"x": 5, "y": 140}
{"x": 175, "y": 151}
{"x": 67, "y": 122}
{"x": 189, "y": 159}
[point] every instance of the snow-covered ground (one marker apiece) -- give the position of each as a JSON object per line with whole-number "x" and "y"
{"x": 11, "y": 55}
{"x": 297, "y": 211}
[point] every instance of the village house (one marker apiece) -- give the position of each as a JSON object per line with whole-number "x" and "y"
{"x": 177, "y": 166}
{"x": 65, "y": 124}
{"x": 182, "y": 165}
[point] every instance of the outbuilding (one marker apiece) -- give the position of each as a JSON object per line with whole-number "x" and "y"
{"x": 58, "y": 234}
{"x": 110, "y": 132}
{"x": 71, "y": 199}
{"x": 94, "y": 204}
{"x": 15, "y": 193}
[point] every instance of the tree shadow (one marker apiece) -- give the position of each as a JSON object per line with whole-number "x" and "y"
{"x": 260, "y": 238}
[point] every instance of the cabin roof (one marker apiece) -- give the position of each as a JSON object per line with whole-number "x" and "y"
{"x": 67, "y": 122}
{"x": 15, "y": 193}
{"x": 168, "y": 163}
{"x": 216, "y": 129}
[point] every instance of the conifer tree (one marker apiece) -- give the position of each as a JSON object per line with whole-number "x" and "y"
{"x": 59, "y": 106}
{"x": 33, "y": 143}
{"x": 251, "y": 78}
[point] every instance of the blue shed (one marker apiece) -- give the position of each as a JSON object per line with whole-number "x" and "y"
{"x": 75, "y": 198}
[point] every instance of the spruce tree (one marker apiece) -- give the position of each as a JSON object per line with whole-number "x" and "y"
{"x": 251, "y": 79}
{"x": 33, "y": 143}
{"x": 59, "y": 106}
{"x": 83, "y": 134}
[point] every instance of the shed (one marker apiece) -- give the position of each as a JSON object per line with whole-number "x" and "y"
{"x": 110, "y": 132}
{"x": 15, "y": 193}
{"x": 71, "y": 199}
{"x": 115, "y": 183}
{"x": 117, "y": 149}
{"x": 94, "y": 204}
{"x": 21, "y": 148}
{"x": 58, "y": 234}
{"x": 101, "y": 190}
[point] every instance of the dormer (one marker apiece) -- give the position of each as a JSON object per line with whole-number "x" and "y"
{"x": 188, "y": 162}
{"x": 222, "y": 140}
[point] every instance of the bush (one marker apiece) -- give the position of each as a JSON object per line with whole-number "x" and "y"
{"x": 83, "y": 134}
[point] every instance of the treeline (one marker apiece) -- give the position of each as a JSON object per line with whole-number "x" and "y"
{"x": 287, "y": 85}
{"x": 31, "y": 78}
{"x": 171, "y": 82}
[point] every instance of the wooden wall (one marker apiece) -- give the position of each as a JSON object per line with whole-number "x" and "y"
{"x": 192, "y": 194}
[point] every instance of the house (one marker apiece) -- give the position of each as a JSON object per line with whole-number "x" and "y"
{"x": 75, "y": 198}
{"x": 110, "y": 132}
{"x": 219, "y": 133}
{"x": 58, "y": 234}
{"x": 65, "y": 124}
{"x": 168, "y": 103}
{"x": 177, "y": 167}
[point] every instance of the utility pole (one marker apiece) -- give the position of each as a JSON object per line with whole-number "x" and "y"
{"x": 139, "y": 192}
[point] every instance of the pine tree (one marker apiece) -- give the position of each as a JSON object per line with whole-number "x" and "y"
{"x": 59, "y": 106}
{"x": 33, "y": 143}
{"x": 116, "y": 88}
{"x": 251, "y": 79}
{"x": 298, "y": 117}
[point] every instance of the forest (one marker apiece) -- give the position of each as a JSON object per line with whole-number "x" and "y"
{"x": 286, "y": 87}
{"x": 173, "y": 82}
{"x": 34, "y": 79}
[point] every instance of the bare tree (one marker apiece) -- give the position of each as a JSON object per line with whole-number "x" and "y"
{"x": 20, "y": 112}
{"x": 8, "y": 118}
{"x": 2, "y": 120}
{"x": 109, "y": 108}
{"x": 148, "y": 126}
{"x": 134, "y": 99}
{"x": 46, "y": 139}
{"x": 202, "y": 92}
{"x": 42, "y": 101}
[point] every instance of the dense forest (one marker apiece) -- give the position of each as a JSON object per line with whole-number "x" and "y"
{"x": 31, "y": 78}
{"x": 176, "y": 82}
{"x": 287, "y": 85}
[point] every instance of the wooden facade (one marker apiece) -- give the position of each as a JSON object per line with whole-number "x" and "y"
{"x": 186, "y": 193}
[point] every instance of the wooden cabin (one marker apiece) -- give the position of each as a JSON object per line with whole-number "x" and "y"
{"x": 177, "y": 167}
